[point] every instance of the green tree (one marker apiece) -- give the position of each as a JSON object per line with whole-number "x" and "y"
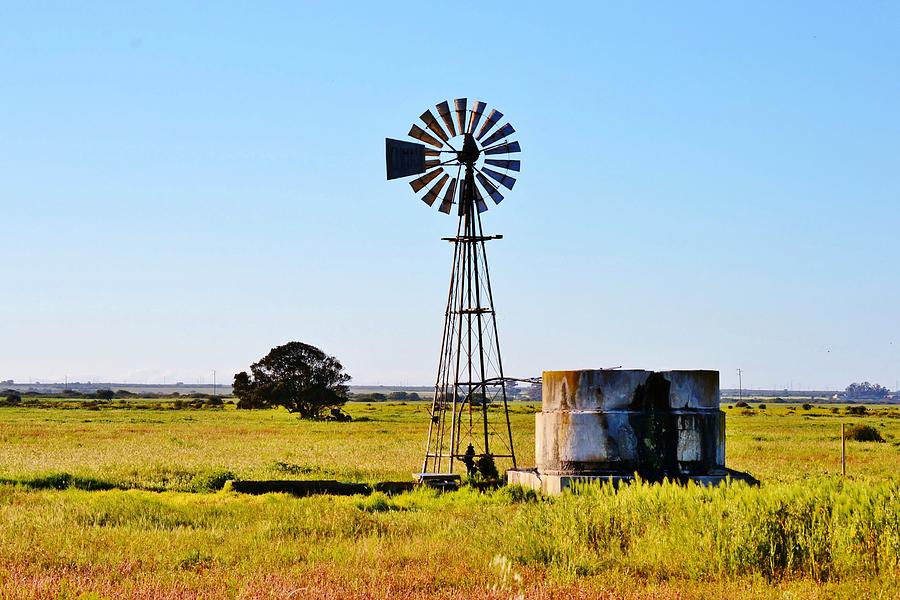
{"x": 866, "y": 390}
{"x": 244, "y": 391}
{"x": 13, "y": 398}
{"x": 297, "y": 376}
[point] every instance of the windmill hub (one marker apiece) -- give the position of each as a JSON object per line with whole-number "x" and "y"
{"x": 470, "y": 151}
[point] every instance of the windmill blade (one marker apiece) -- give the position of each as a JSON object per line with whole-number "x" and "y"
{"x": 418, "y": 133}
{"x": 433, "y": 125}
{"x": 444, "y": 110}
{"x": 462, "y": 197}
{"x": 432, "y": 194}
{"x": 447, "y": 202}
{"x": 419, "y": 183}
{"x": 475, "y": 117}
{"x": 460, "y": 105}
{"x": 499, "y": 134}
{"x": 480, "y": 204}
{"x": 512, "y": 165}
{"x": 504, "y": 148}
{"x": 492, "y": 118}
{"x": 504, "y": 180}
{"x": 490, "y": 188}
{"x": 432, "y": 152}
{"x": 433, "y": 163}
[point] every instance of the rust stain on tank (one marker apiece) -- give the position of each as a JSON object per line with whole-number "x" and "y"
{"x": 569, "y": 382}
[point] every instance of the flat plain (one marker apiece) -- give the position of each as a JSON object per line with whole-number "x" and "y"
{"x": 125, "y": 499}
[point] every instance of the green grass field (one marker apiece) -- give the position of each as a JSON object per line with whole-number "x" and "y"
{"x": 122, "y": 502}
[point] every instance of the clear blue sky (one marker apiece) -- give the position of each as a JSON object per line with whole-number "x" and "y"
{"x": 185, "y": 185}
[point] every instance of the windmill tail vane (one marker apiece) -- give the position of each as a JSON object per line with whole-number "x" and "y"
{"x": 464, "y": 156}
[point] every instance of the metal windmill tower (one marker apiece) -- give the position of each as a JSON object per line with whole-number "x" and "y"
{"x": 464, "y": 158}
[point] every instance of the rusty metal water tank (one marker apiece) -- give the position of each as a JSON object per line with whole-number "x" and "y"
{"x": 613, "y": 423}
{"x": 622, "y": 421}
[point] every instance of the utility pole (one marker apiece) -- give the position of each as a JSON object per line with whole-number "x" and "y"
{"x": 740, "y": 385}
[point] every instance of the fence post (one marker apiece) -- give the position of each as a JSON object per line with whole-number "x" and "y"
{"x": 843, "y": 453}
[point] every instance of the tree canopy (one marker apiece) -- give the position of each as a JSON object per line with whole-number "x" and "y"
{"x": 297, "y": 376}
{"x": 866, "y": 390}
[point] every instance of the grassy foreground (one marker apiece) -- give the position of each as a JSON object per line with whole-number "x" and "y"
{"x": 805, "y": 533}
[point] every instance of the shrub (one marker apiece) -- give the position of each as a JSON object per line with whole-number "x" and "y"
{"x": 762, "y": 407}
{"x": 13, "y": 398}
{"x": 61, "y": 481}
{"x": 336, "y": 414}
{"x": 856, "y": 410}
{"x": 53, "y": 481}
{"x": 377, "y": 502}
{"x": 863, "y": 433}
{"x": 293, "y": 469}
{"x": 807, "y": 406}
{"x": 516, "y": 494}
{"x": 211, "y": 480}
{"x": 742, "y": 404}
{"x": 487, "y": 468}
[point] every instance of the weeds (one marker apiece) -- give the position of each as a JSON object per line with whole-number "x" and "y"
{"x": 825, "y": 530}
{"x": 863, "y": 433}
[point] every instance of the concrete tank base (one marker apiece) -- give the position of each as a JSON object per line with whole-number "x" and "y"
{"x": 611, "y": 424}
{"x": 555, "y": 484}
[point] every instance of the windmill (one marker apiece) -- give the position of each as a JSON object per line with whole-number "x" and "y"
{"x": 463, "y": 159}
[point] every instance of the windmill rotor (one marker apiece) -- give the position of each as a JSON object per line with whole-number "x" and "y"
{"x": 454, "y": 138}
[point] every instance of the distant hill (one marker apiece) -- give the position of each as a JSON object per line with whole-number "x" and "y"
{"x": 134, "y": 388}
{"x": 181, "y": 388}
